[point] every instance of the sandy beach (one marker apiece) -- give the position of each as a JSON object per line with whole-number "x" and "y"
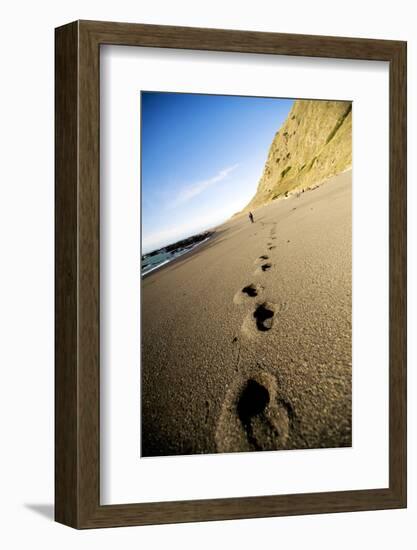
{"x": 246, "y": 341}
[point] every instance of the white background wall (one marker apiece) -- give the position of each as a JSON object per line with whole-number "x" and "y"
{"x": 26, "y": 272}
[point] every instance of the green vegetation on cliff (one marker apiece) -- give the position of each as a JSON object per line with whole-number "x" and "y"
{"x": 314, "y": 144}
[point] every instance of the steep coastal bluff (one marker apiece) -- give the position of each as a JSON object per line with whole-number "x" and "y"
{"x": 314, "y": 144}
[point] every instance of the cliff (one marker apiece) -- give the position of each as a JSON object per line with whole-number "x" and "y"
{"x": 314, "y": 144}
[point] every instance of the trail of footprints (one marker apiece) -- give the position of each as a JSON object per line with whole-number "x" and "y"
{"x": 254, "y": 416}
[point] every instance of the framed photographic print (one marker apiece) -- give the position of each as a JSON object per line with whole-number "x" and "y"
{"x": 230, "y": 274}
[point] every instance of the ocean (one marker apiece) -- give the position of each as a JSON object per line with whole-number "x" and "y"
{"x": 155, "y": 260}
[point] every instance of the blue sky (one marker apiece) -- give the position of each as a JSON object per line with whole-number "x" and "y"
{"x": 202, "y": 157}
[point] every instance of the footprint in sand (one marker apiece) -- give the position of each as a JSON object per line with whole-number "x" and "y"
{"x": 247, "y": 293}
{"x": 261, "y": 259}
{"x": 263, "y": 268}
{"x": 253, "y": 416}
{"x": 250, "y": 291}
{"x": 264, "y": 315}
{"x": 271, "y": 247}
{"x": 259, "y": 321}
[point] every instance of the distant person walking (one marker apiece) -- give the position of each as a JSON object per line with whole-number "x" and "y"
{"x": 251, "y": 217}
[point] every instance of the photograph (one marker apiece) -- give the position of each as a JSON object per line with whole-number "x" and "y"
{"x": 209, "y": 256}
{"x": 246, "y": 274}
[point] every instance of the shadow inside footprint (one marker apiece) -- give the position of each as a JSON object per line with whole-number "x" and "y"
{"x": 250, "y": 290}
{"x": 264, "y": 317}
{"x": 254, "y": 415}
{"x": 247, "y": 293}
{"x": 253, "y": 401}
{"x": 264, "y": 257}
{"x": 265, "y": 267}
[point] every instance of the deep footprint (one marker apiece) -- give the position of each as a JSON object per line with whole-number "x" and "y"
{"x": 247, "y": 293}
{"x": 264, "y": 257}
{"x": 250, "y": 290}
{"x": 264, "y": 317}
{"x": 254, "y": 416}
{"x": 265, "y": 267}
{"x": 253, "y": 401}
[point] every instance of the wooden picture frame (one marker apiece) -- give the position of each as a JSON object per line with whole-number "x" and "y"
{"x": 77, "y": 382}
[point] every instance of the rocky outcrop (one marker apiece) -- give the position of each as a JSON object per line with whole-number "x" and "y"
{"x": 314, "y": 144}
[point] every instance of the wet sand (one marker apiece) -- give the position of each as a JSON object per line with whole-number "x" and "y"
{"x": 246, "y": 341}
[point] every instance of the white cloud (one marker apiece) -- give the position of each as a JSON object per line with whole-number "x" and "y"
{"x": 197, "y": 221}
{"x": 193, "y": 226}
{"x": 191, "y": 191}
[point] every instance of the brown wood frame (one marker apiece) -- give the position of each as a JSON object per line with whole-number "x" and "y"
{"x": 77, "y": 405}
